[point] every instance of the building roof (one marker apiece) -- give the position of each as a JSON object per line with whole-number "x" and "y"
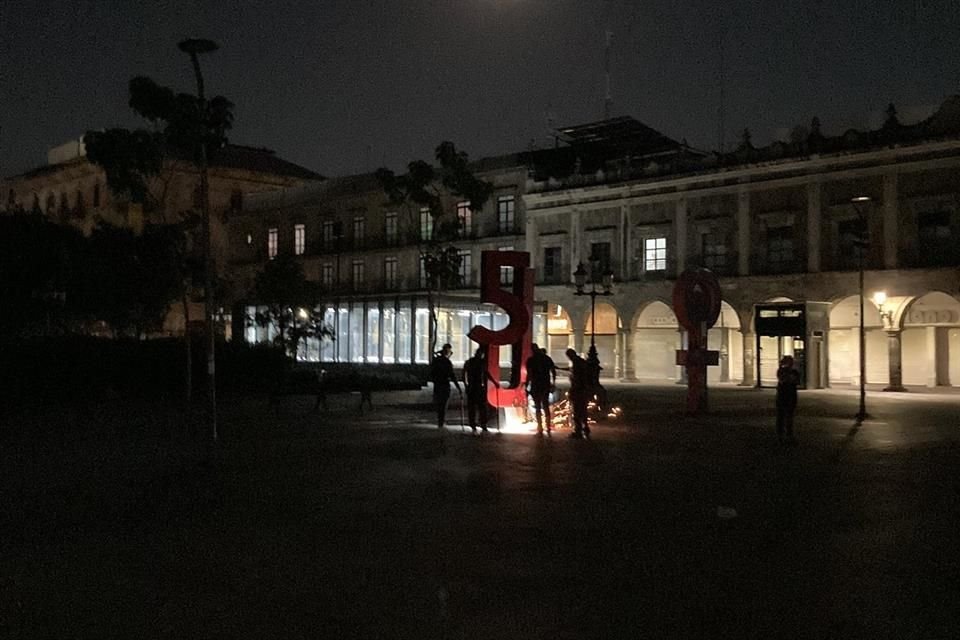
{"x": 231, "y": 156}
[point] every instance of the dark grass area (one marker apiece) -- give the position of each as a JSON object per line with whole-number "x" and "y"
{"x": 119, "y": 521}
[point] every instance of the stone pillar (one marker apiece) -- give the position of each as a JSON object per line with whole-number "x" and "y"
{"x": 749, "y": 363}
{"x": 724, "y": 349}
{"x": 575, "y": 243}
{"x": 625, "y": 257}
{"x": 813, "y": 227}
{"x": 532, "y": 246}
{"x": 855, "y": 355}
{"x": 680, "y": 227}
{"x": 682, "y": 343}
{"x": 743, "y": 232}
{"x": 629, "y": 370}
{"x": 931, "y": 356}
{"x": 895, "y": 354}
{"x": 578, "y": 339}
{"x": 890, "y": 221}
{"x": 618, "y": 354}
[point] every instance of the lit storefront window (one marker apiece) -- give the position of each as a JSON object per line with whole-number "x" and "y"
{"x": 389, "y": 329}
{"x": 422, "y": 338}
{"x": 356, "y": 332}
{"x": 404, "y": 333}
{"x": 373, "y": 334}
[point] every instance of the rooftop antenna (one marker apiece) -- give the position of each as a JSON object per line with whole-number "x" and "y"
{"x": 721, "y": 110}
{"x": 608, "y": 98}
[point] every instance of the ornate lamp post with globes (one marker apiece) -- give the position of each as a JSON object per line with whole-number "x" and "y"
{"x": 606, "y": 284}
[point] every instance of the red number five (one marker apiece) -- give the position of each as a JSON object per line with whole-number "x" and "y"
{"x": 519, "y": 330}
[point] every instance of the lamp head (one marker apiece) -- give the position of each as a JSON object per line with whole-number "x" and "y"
{"x": 580, "y": 277}
{"x": 880, "y": 298}
{"x": 196, "y": 46}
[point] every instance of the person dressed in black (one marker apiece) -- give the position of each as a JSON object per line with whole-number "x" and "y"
{"x": 581, "y": 388}
{"x": 475, "y": 376}
{"x": 541, "y": 381}
{"x": 787, "y": 382}
{"x": 441, "y": 372}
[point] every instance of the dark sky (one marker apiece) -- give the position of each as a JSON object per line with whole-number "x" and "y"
{"x": 343, "y": 86}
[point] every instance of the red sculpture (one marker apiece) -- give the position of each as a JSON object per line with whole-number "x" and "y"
{"x": 518, "y": 333}
{"x": 696, "y": 302}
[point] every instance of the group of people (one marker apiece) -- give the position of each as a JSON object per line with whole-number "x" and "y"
{"x": 540, "y": 385}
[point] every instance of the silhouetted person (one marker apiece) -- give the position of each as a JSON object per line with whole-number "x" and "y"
{"x": 475, "y": 376}
{"x": 441, "y": 371}
{"x": 788, "y": 379}
{"x": 541, "y": 381}
{"x": 581, "y": 387}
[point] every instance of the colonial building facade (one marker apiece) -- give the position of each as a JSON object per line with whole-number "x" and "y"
{"x": 71, "y": 190}
{"x": 786, "y": 223}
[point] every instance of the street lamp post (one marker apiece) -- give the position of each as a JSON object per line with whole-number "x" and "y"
{"x": 606, "y": 282}
{"x": 862, "y": 243}
{"x": 194, "y": 47}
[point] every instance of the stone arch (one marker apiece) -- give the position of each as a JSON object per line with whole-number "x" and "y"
{"x": 608, "y": 331}
{"x": 930, "y": 340}
{"x": 655, "y": 339}
{"x": 844, "y": 343}
{"x": 560, "y": 331}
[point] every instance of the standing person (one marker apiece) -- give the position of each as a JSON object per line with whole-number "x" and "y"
{"x": 541, "y": 381}
{"x": 788, "y": 379}
{"x": 580, "y": 390}
{"x": 475, "y": 376}
{"x": 441, "y": 371}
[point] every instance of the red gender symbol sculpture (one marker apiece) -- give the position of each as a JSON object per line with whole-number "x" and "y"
{"x": 696, "y": 302}
{"x": 518, "y": 333}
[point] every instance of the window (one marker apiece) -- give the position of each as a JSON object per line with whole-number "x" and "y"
{"x": 599, "y": 259}
{"x": 505, "y": 214}
{"x": 299, "y": 239}
{"x": 390, "y": 231}
{"x": 390, "y": 273}
{"x": 424, "y": 277}
{"x": 464, "y": 219}
{"x": 236, "y": 200}
{"x": 655, "y": 254}
{"x": 357, "y": 280}
{"x": 326, "y": 276}
{"x": 849, "y": 243}
{"x": 426, "y": 224}
{"x": 552, "y": 265}
{"x": 359, "y": 226}
{"x": 714, "y": 251}
{"x": 506, "y": 273}
{"x": 249, "y": 239}
{"x": 933, "y": 230}
{"x": 329, "y": 234}
{"x": 272, "y": 235}
{"x": 780, "y": 249}
{"x": 465, "y": 270}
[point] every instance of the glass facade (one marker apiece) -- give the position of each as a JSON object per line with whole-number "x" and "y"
{"x": 394, "y": 330}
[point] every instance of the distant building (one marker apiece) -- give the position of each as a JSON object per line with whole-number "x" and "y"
{"x": 72, "y": 190}
{"x": 777, "y": 224}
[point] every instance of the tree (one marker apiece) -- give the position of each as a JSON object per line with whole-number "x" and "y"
{"x": 290, "y": 301}
{"x": 138, "y": 165}
{"x": 424, "y": 186}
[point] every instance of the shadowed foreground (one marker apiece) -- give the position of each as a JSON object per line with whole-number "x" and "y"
{"x": 117, "y": 523}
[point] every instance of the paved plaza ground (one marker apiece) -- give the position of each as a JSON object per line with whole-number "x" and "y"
{"x": 117, "y": 522}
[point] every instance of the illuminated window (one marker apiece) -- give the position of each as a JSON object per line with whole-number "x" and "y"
{"x": 299, "y": 239}
{"x": 655, "y": 254}
{"x": 272, "y": 235}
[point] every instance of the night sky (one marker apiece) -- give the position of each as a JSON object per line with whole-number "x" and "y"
{"x": 343, "y": 86}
